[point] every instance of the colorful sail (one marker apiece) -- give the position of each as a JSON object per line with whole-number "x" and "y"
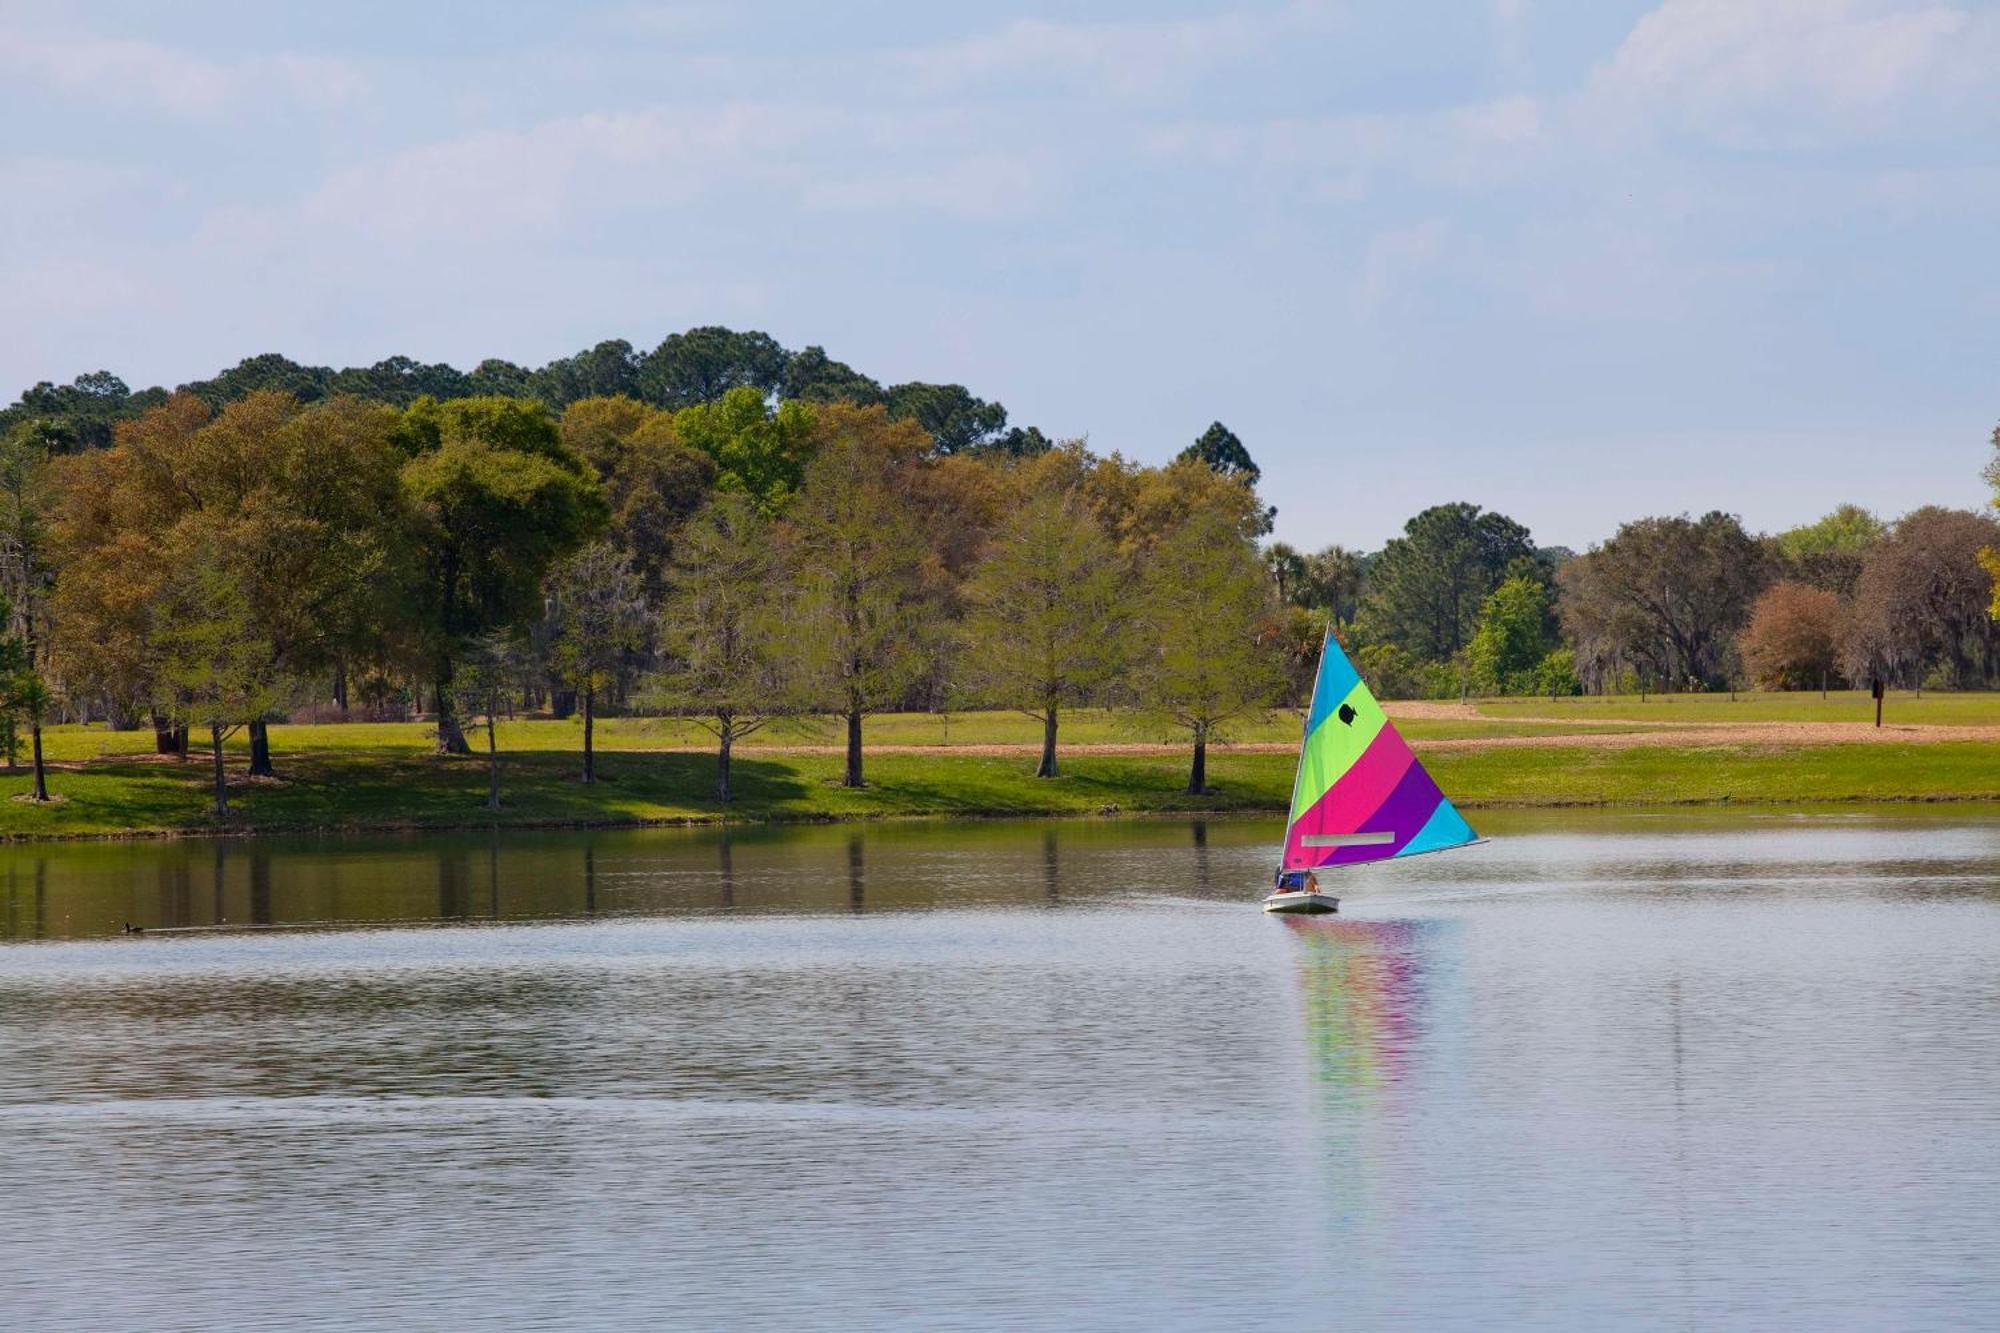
{"x": 1360, "y": 794}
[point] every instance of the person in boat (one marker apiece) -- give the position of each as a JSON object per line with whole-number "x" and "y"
{"x": 1297, "y": 881}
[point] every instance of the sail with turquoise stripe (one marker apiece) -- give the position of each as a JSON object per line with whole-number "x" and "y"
{"x": 1360, "y": 794}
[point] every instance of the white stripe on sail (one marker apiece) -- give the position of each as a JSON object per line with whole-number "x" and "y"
{"x": 1346, "y": 839}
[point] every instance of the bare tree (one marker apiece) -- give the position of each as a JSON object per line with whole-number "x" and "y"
{"x": 494, "y": 667}
{"x": 599, "y": 613}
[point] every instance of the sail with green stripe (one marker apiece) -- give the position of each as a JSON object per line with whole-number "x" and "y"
{"x": 1360, "y": 794}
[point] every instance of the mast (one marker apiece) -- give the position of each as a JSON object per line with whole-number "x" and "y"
{"x": 1305, "y": 735}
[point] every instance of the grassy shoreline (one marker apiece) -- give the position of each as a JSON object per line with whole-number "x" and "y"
{"x": 355, "y": 778}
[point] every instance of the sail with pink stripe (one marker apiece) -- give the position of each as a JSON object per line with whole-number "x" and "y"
{"x": 1360, "y": 794}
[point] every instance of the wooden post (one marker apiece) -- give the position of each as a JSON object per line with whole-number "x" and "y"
{"x": 1875, "y": 687}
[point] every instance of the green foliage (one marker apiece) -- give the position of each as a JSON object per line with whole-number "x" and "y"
{"x": 1829, "y": 554}
{"x": 516, "y": 425}
{"x": 1512, "y": 639}
{"x": 609, "y": 369}
{"x": 758, "y": 449}
{"x": 858, "y": 568}
{"x": 956, "y": 421}
{"x": 72, "y": 417}
{"x": 1850, "y": 530}
{"x": 490, "y": 522}
{"x": 494, "y": 503}
{"x": 1046, "y": 625}
{"x": 1288, "y": 571}
{"x": 599, "y": 619}
{"x": 723, "y": 640}
{"x": 599, "y": 616}
{"x": 1332, "y": 583}
{"x": 1556, "y": 675}
{"x": 1665, "y": 595}
{"x": 216, "y": 667}
{"x": 652, "y": 481}
{"x": 1426, "y": 589}
{"x": 814, "y": 377}
{"x": 685, "y": 369}
{"x": 1391, "y": 672}
{"x": 1202, "y": 656}
{"x": 1218, "y": 448}
{"x": 702, "y": 365}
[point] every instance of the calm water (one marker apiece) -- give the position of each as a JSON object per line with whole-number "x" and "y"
{"x": 1730, "y": 1071}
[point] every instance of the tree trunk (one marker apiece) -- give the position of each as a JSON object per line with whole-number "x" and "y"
{"x": 1048, "y": 764}
{"x": 166, "y": 736}
{"x": 41, "y": 776}
{"x": 1198, "y": 774}
{"x": 722, "y": 759}
{"x": 260, "y": 750}
{"x": 450, "y": 736}
{"x": 221, "y": 780}
{"x": 492, "y": 763}
{"x": 588, "y": 699}
{"x": 181, "y": 734}
{"x": 853, "y": 778}
{"x": 340, "y": 686}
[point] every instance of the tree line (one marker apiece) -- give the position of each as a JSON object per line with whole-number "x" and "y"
{"x": 735, "y": 560}
{"x": 1465, "y": 603}
{"x": 725, "y": 530}
{"x": 697, "y": 366}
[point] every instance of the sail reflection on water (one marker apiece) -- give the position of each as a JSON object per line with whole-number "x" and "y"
{"x": 1368, "y": 992}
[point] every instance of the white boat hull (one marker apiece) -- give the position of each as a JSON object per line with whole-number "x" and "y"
{"x": 1301, "y": 901}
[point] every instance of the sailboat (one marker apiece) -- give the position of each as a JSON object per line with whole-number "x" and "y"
{"x": 1360, "y": 794}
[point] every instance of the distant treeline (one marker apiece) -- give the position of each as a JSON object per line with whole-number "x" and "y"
{"x": 1465, "y": 603}
{"x": 726, "y": 530}
{"x": 698, "y": 366}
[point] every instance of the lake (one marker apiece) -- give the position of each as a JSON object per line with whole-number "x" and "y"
{"x": 1688, "y": 1071}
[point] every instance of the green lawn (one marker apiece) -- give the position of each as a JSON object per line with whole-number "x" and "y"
{"x": 353, "y": 777}
{"x": 1083, "y": 726}
{"x": 1980, "y": 708}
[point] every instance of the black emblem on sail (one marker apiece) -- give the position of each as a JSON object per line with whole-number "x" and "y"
{"x": 1346, "y": 715}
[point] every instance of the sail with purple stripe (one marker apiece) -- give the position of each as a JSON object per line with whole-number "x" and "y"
{"x": 1360, "y": 793}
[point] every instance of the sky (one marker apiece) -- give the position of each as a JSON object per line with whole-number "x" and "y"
{"x": 1578, "y": 262}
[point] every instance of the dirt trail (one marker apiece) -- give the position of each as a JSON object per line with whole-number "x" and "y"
{"x": 1776, "y": 735}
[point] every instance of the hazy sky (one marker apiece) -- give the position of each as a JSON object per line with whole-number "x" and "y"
{"x": 1578, "y": 262}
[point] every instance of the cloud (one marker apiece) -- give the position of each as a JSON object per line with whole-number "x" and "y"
{"x": 1784, "y": 71}
{"x": 503, "y": 187}
{"x": 1133, "y": 59}
{"x": 1480, "y": 144}
{"x": 982, "y": 187}
{"x": 134, "y": 73}
{"x": 1123, "y": 58}
{"x": 1396, "y": 259}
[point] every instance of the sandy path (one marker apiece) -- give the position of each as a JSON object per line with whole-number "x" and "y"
{"x": 1778, "y": 735}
